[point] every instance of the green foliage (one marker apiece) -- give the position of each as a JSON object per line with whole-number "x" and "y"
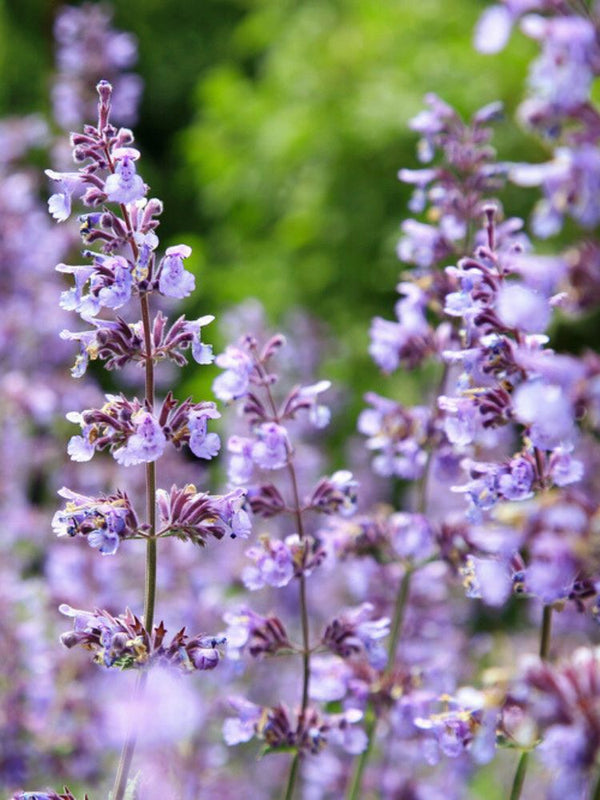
{"x": 274, "y": 129}
{"x": 298, "y": 139}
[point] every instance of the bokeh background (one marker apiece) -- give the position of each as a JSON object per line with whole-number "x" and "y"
{"x": 273, "y": 130}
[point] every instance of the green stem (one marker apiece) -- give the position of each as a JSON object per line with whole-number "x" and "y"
{"x": 546, "y": 633}
{"x": 595, "y": 793}
{"x": 294, "y": 769}
{"x": 401, "y": 603}
{"x": 304, "y": 620}
{"x": 545, "y": 636}
{"x": 398, "y": 618}
{"x": 354, "y": 791}
{"x": 519, "y": 779}
{"x": 124, "y": 766}
{"x": 292, "y": 778}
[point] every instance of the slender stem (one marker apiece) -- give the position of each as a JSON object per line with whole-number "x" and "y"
{"x": 546, "y": 633}
{"x": 354, "y": 791}
{"x": 545, "y": 636}
{"x": 305, "y": 633}
{"x": 398, "y": 618}
{"x": 292, "y": 778}
{"x": 304, "y": 620}
{"x": 595, "y": 791}
{"x": 130, "y": 741}
{"x": 519, "y": 779}
{"x": 150, "y": 577}
{"x": 400, "y": 606}
{"x": 303, "y": 603}
{"x": 129, "y": 745}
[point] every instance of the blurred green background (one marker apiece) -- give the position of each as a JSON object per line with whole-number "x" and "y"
{"x": 273, "y": 130}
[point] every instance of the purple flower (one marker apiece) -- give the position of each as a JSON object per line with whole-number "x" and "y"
{"x": 522, "y": 308}
{"x": 117, "y": 292}
{"x": 261, "y": 635}
{"x": 563, "y": 468}
{"x": 242, "y": 727}
{"x": 487, "y": 578}
{"x": 104, "y": 520}
{"x": 345, "y": 734}
{"x": 232, "y": 514}
{"x": 146, "y": 444}
{"x": 234, "y": 382}
{"x": 195, "y": 515}
{"x": 174, "y": 280}
{"x": 495, "y": 23}
{"x": 273, "y": 564}
{"x": 59, "y": 204}
{"x": 354, "y": 632}
{"x": 241, "y": 465}
{"x": 552, "y": 568}
{"x": 517, "y": 482}
{"x": 461, "y": 420}
{"x": 123, "y": 642}
{"x": 319, "y": 415}
{"x": 563, "y": 74}
{"x": 201, "y": 352}
{"x": 80, "y": 448}
{"x": 124, "y": 185}
{"x": 574, "y": 174}
{"x": 203, "y": 444}
{"x": 548, "y": 413}
{"x": 337, "y": 494}
{"x": 482, "y": 490}
{"x": 407, "y": 341}
{"x": 411, "y": 535}
{"x": 271, "y": 448}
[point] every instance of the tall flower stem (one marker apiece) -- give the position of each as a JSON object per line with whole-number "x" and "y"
{"x": 545, "y": 636}
{"x": 304, "y": 621}
{"x": 129, "y": 745}
{"x": 303, "y": 603}
{"x": 354, "y": 791}
{"x": 150, "y": 580}
{"x": 294, "y": 769}
{"x": 291, "y": 783}
{"x": 400, "y": 605}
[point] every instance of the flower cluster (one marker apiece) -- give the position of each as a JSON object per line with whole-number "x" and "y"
{"x": 310, "y": 734}
{"x": 133, "y": 434}
{"x": 388, "y": 627}
{"x": 277, "y": 561}
{"x": 45, "y": 796}
{"x": 120, "y": 241}
{"x": 558, "y": 704}
{"x": 125, "y": 643}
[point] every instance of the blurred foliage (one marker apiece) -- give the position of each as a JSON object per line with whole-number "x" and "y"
{"x": 274, "y": 130}
{"x": 297, "y": 141}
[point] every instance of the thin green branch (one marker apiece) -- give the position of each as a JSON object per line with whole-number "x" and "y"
{"x": 354, "y": 791}
{"x": 546, "y": 633}
{"x": 595, "y": 790}
{"x": 127, "y": 753}
{"x": 545, "y": 636}
{"x": 519, "y": 779}
{"x": 289, "y": 791}
{"x": 296, "y": 511}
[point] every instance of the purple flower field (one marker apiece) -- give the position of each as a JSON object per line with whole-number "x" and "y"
{"x": 210, "y": 607}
